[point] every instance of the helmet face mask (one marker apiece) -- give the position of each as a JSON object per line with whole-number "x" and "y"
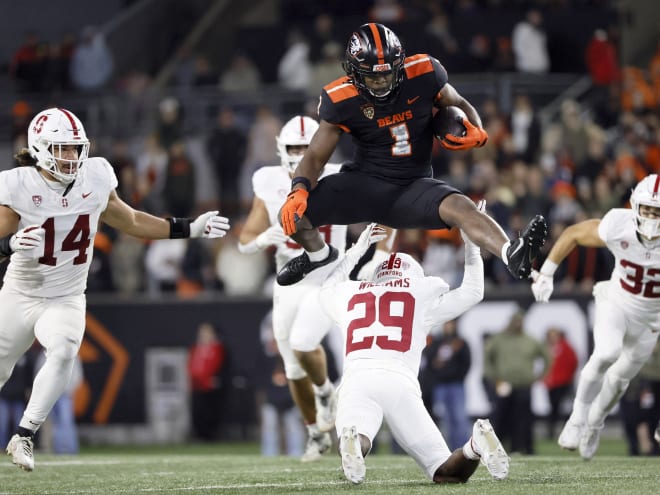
{"x": 297, "y": 132}
{"x": 397, "y": 266}
{"x": 51, "y": 136}
{"x": 374, "y": 51}
{"x": 647, "y": 194}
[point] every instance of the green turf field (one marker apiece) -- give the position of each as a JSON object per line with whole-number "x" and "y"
{"x": 238, "y": 469}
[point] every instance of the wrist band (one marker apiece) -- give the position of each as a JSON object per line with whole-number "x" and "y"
{"x": 302, "y": 180}
{"x": 179, "y": 228}
{"x": 548, "y": 268}
{"x": 5, "y": 249}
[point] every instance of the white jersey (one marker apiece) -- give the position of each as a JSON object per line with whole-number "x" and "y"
{"x": 635, "y": 280}
{"x": 272, "y": 185}
{"x": 385, "y": 327}
{"x": 70, "y": 223}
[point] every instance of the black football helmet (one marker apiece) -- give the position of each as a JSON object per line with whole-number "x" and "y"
{"x": 375, "y": 50}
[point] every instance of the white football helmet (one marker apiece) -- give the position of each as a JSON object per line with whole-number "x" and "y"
{"x": 398, "y": 265}
{"x": 296, "y": 132}
{"x": 48, "y": 132}
{"x": 647, "y": 192}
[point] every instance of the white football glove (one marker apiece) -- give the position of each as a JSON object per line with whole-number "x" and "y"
{"x": 272, "y": 236}
{"x": 30, "y": 237}
{"x": 209, "y": 225}
{"x": 542, "y": 286}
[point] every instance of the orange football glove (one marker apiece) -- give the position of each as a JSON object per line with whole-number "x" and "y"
{"x": 476, "y": 137}
{"x": 293, "y": 209}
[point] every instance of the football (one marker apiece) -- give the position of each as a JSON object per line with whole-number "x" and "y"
{"x": 449, "y": 120}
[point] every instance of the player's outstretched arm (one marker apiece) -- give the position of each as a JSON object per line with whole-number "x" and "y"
{"x": 371, "y": 234}
{"x": 305, "y": 176}
{"x": 382, "y": 252}
{"x": 141, "y": 224}
{"x": 581, "y": 234}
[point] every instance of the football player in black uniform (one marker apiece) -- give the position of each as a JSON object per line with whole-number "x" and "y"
{"x": 386, "y": 103}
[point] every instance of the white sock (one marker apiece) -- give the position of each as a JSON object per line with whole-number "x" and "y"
{"x": 503, "y": 255}
{"x": 313, "y": 430}
{"x": 469, "y": 452}
{"x": 319, "y": 255}
{"x": 324, "y": 389}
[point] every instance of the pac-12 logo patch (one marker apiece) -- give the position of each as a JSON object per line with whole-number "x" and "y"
{"x": 368, "y": 111}
{"x": 624, "y": 244}
{"x": 36, "y": 199}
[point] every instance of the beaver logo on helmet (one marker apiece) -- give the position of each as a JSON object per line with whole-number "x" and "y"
{"x": 374, "y": 50}
{"x": 354, "y": 45}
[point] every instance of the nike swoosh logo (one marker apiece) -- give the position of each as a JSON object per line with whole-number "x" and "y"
{"x": 412, "y": 100}
{"x": 85, "y": 195}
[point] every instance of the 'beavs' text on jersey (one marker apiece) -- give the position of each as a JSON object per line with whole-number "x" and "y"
{"x": 393, "y": 140}
{"x": 60, "y": 266}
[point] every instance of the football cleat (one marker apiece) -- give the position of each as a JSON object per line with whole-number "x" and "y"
{"x": 20, "y": 449}
{"x": 297, "y": 268}
{"x": 352, "y": 460}
{"x": 656, "y": 435}
{"x": 488, "y": 446}
{"x": 569, "y": 438}
{"x": 326, "y": 410}
{"x": 316, "y": 447}
{"x": 522, "y": 252}
{"x": 589, "y": 442}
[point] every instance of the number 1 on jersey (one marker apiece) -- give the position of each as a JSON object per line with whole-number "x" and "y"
{"x": 401, "y": 136}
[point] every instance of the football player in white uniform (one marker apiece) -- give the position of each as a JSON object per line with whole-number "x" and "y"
{"x": 385, "y": 322}
{"x": 627, "y": 308}
{"x": 296, "y": 310}
{"x": 50, "y": 208}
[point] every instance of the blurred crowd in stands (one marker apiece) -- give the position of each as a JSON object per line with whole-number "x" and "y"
{"x": 578, "y": 166}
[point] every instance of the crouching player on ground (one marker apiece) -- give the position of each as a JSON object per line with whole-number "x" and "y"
{"x": 385, "y": 323}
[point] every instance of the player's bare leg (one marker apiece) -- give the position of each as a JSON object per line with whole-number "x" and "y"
{"x": 317, "y": 253}
{"x": 318, "y": 442}
{"x": 302, "y": 394}
{"x": 456, "y": 469}
{"x": 307, "y": 236}
{"x": 458, "y": 210}
{"x": 325, "y": 398}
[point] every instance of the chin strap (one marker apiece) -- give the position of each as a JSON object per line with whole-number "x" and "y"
{"x": 68, "y": 188}
{"x": 649, "y": 243}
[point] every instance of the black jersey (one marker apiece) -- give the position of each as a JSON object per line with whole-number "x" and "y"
{"x": 392, "y": 140}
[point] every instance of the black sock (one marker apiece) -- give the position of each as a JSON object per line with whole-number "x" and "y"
{"x": 24, "y": 432}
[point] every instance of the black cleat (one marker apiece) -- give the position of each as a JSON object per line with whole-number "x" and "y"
{"x": 296, "y": 269}
{"x": 522, "y": 252}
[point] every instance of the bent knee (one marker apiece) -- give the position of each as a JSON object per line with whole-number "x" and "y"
{"x": 63, "y": 349}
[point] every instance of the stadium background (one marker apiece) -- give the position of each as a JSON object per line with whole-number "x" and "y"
{"x": 134, "y": 351}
